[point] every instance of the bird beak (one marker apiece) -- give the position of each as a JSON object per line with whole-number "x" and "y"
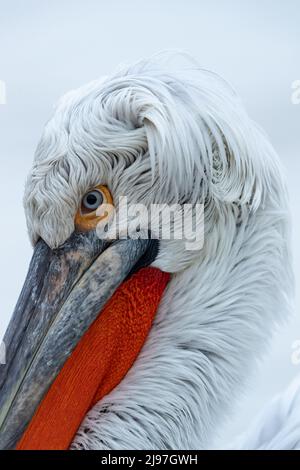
{"x": 64, "y": 292}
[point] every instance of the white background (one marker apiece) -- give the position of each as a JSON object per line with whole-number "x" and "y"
{"x": 49, "y": 47}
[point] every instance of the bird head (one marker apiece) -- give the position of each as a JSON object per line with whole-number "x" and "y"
{"x": 153, "y": 137}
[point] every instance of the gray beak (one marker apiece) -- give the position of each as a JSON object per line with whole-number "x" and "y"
{"x": 64, "y": 292}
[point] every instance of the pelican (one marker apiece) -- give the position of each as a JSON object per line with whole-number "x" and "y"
{"x": 156, "y": 136}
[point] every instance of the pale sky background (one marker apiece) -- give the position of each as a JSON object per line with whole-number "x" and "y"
{"x": 48, "y": 47}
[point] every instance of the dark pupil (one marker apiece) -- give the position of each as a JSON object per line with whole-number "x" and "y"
{"x": 91, "y": 199}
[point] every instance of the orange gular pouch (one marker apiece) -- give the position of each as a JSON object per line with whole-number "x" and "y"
{"x": 99, "y": 362}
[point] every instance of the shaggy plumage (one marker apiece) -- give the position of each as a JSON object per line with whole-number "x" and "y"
{"x": 159, "y": 136}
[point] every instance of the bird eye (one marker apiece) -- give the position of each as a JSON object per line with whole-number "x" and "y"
{"x": 95, "y": 206}
{"x": 92, "y": 200}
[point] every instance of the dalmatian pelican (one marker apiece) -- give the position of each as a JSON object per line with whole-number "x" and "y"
{"x": 142, "y": 343}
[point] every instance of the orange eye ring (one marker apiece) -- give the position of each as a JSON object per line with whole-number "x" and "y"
{"x": 87, "y": 219}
